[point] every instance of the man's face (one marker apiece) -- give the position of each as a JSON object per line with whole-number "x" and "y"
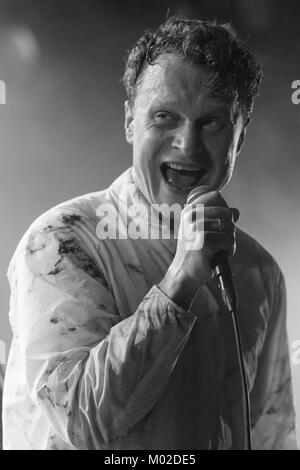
{"x": 182, "y": 135}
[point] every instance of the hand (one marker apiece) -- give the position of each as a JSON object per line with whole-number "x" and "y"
{"x": 191, "y": 268}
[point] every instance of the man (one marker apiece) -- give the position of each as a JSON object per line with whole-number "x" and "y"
{"x": 121, "y": 341}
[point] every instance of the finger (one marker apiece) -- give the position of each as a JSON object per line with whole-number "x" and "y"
{"x": 218, "y": 212}
{"x": 218, "y": 225}
{"x": 212, "y": 198}
{"x": 235, "y": 214}
{"x": 216, "y": 241}
{"x": 213, "y": 212}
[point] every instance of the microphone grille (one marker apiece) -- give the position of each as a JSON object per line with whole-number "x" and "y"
{"x": 197, "y": 191}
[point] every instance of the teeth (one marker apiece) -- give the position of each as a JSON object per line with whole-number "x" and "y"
{"x": 176, "y": 166}
{"x": 182, "y": 177}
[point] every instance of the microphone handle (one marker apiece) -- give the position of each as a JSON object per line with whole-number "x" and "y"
{"x": 220, "y": 262}
{"x": 223, "y": 275}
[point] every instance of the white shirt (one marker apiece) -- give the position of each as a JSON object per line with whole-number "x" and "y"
{"x": 101, "y": 358}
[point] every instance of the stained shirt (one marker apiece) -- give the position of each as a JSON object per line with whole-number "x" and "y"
{"x": 101, "y": 358}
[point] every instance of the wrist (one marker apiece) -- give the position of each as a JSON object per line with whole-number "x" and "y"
{"x": 179, "y": 289}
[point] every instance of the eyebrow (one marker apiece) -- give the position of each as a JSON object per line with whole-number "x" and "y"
{"x": 227, "y": 96}
{"x": 219, "y": 106}
{"x": 170, "y": 103}
{"x": 222, "y": 100}
{"x": 213, "y": 106}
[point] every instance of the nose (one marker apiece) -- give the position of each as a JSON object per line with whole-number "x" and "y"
{"x": 188, "y": 140}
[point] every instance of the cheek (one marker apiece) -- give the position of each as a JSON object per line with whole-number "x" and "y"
{"x": 221, "y": 145}
{"x": 221, "y": 148}
{"x": 229, "y": 158}
{"x": 228, "y": 162}
{"x": 229, "y": 165}
{"x": 148, "y": 145}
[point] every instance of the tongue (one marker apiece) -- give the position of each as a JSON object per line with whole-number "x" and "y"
{"x": 182, "y": 179}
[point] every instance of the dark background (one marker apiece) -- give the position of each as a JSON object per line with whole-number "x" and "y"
{"x": 61, "y": 130}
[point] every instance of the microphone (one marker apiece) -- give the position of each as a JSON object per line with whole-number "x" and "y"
{"x": 223, "y": 274}
{"x": 220, "y": 263}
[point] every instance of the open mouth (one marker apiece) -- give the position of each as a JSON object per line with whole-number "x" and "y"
{"x": 182, "y": 177}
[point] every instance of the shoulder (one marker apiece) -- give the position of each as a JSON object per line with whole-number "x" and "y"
{"x": 66, "y": 226}
{"x": 69, "y": 228}
{"x": 251, "y": 252}
{"x": 79, "y": 212}
{"x": 254, "y": 264}
{"x": 71, "y": 213}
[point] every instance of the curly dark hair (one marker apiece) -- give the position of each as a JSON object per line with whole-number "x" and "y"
{"x": 208, "y": 43}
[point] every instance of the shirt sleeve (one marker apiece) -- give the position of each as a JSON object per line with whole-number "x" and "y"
{"x": 92, "y": 375}
{"x": 272, "y": 409}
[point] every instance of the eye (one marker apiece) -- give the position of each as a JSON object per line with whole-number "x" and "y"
{"x": 163, "y": 117}
{"x": 214, "y": 124}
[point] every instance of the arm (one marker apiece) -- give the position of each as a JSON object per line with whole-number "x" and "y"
{"x": 92, "y": 375}
{"x": 272, "y": 410}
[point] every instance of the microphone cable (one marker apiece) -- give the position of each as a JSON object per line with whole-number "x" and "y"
{"x": 223, "y": 274}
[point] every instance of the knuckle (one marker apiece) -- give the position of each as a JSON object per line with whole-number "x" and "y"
{"x": 228, "y": 213}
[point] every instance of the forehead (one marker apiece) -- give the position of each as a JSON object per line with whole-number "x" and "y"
{"x": 174, "y": 78}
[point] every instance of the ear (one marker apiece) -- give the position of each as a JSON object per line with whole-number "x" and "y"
{"x": 242, "y": 136}
{"x": 129, "y": 117}
{"x": 241, "y": 141}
